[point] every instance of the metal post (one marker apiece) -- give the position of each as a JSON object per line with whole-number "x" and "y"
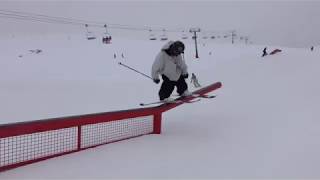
{"x": 195, "y": 30}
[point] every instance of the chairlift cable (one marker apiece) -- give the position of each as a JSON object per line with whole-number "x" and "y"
{"x": 79, "y": 22}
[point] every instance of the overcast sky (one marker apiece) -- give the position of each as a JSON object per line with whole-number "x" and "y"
{"x": 288, "y": 23}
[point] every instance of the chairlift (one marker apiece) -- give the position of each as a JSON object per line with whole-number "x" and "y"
{"x": 151, "y": 35}
{"x": 89, "y": 34}
{"x": 204, "y": 35}
{"x": 184, "y": 35}
{"x": 213, "y": 37}
{"x": 164, "y": 37}
{"x": 106, "y": 39}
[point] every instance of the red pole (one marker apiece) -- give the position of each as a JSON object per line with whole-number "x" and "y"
{"x": 157, "y": 123}
{"x": 79, "y": 138}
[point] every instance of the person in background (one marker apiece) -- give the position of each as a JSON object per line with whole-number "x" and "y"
{"x": 264, "y": 52}
{"x": 195, "y": 81}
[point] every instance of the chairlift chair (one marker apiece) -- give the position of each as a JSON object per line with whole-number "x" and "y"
{"x": 89, "y": 34}
{"x": 184, "y": 35}
{"x": 204, "y": 35}
{"x": 106, "y": 39}
{"x": 151, "y": 35}
{"x": 164, "y": 37}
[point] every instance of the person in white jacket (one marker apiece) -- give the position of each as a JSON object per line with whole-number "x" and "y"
{"x": 173, "y": 69}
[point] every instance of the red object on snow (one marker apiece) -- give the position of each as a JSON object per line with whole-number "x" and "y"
{"x": 275, "y": 51}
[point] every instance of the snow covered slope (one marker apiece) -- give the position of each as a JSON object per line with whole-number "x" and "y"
{"x": 263, "y": 124}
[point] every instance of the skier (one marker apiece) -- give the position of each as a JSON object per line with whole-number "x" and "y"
{"x": 195, "y": 81}
{"x": 264, "y": 52}
{"x": 173, "y": 69}
{"x": 311, "y": 48}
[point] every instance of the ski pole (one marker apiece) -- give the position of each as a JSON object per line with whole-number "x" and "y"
{"x": 135, "y": 70}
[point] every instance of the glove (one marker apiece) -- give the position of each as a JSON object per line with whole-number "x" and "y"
{"x": 185, "y": 76}
{"x": 156, "y": 81}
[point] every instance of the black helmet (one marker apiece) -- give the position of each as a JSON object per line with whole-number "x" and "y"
{"x": 177, "y": 47}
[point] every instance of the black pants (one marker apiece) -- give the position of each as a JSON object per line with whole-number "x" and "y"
{"x": 167, "y": 87}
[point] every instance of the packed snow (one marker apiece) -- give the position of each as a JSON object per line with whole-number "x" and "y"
{"x": 264, "y": 122}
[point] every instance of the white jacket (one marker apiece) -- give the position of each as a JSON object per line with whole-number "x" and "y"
{"x": 171, "y": 66}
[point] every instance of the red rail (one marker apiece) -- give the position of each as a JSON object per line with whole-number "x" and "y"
{"x": 28, "y": 142}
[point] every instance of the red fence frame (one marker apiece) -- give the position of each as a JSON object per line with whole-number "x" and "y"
{"x": 31, "y": 127}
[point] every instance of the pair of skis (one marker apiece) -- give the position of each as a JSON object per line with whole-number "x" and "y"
{"x": 181, "y": 100}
